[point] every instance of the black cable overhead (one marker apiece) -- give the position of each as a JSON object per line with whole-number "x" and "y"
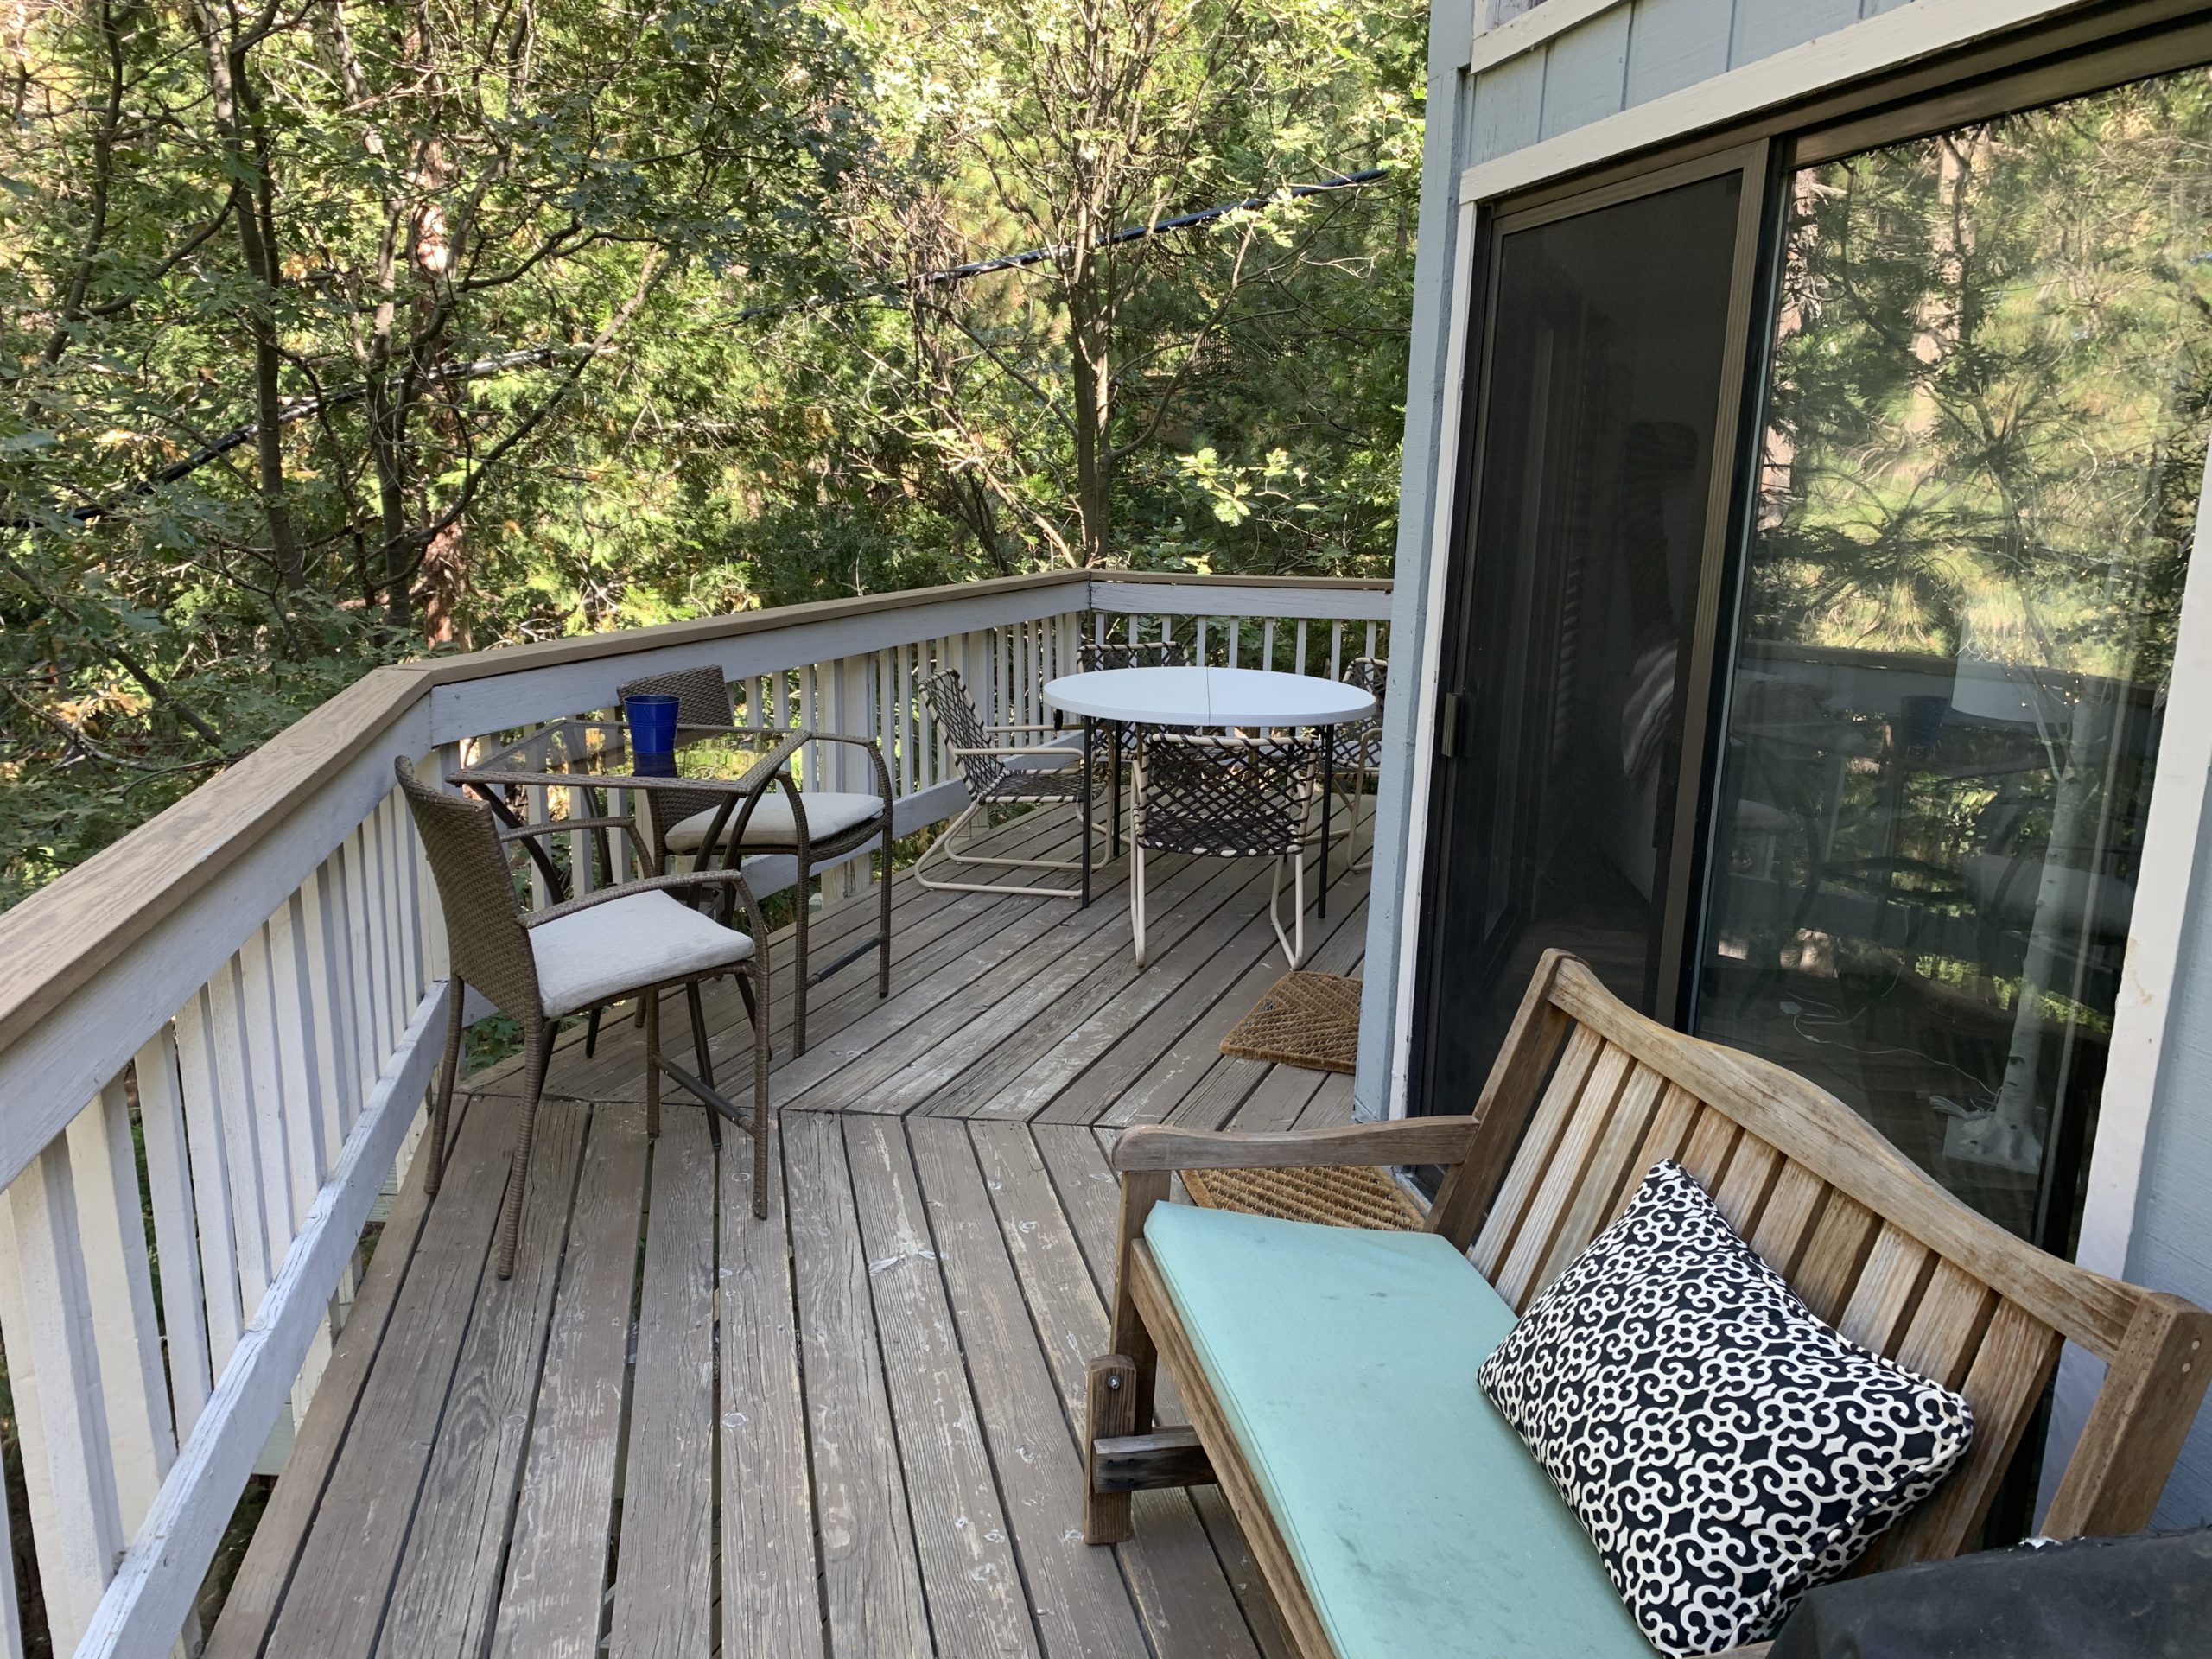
{"x": 301, "y": 408}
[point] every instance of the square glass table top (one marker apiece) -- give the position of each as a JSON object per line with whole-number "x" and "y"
{"x": 568, "y": 751}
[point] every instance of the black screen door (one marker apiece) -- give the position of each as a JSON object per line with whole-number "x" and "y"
{"x": 1581, "y": 605}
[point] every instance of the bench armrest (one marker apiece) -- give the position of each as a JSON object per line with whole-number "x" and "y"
{"x": 1443, "y": 1140}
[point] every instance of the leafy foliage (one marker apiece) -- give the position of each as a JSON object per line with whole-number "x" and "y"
{"x": 338, "y": 334}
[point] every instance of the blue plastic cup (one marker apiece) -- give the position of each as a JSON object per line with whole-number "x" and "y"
{"x": 652, "y": 727}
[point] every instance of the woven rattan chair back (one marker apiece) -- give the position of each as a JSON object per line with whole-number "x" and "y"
{"x": 962, "y": 729}
{"x": 489, "y": 946}
{"x": 1223, "y": 797}
{"x": 1094, "y": 655}
{"x": 701, "y": 699}
{"x": 1359, "y": 742}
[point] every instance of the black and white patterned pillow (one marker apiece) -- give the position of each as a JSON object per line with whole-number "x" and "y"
{"x": 1725, "y": 1450}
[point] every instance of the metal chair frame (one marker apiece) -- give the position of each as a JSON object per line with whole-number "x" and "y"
{"x": 702, "y": 700}
{"x": 487, "y": 933}
{"x": 981, "y": 758}
{"x": 1192, "y": 793}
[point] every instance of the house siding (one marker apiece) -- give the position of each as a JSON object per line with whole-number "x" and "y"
{"x": 1618, "y": 57}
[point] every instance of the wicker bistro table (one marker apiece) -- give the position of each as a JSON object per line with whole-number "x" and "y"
{"x": 741, "y": 764}
{"x": 1217, "y": 698}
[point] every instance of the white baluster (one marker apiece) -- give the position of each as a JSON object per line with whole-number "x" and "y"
{"x": 55, "y": 1374}
{"x": 111, "y": 1233}
{"x": 168, "y": 1177}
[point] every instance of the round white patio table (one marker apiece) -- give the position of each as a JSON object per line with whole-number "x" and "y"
{"x": 1209, "y": 697}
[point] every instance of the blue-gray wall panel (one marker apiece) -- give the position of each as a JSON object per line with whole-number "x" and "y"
{"x": 2171, "y": 1245}
{"x": 1584, "y": 73}
{"x": 1446, "y": 146}
{"x": 1763, "y": 28}
{"x": 1508, "y": 104}
{"x": 1676, "y": 43}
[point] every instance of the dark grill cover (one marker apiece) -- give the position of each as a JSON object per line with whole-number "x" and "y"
{"x": 2148, "y": 1595}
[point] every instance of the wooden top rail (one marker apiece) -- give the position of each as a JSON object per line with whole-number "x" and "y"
{"x": 301, "y": 786}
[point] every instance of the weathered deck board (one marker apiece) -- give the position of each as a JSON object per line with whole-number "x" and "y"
{"x": 664, "y": 1564}
{"x": 553, "y": 1597}
{"x": 852, "y": 1428}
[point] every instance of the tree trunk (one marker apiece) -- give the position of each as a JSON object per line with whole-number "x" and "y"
{"x": 1090, "y": 332}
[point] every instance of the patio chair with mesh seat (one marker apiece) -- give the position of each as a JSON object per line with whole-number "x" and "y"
{"x": 1002, "y": 772}
{"x": 634, "y": 939}
{"x": 1224, "y": 798}
{"x": 1096, "y": 656}
{"x": 1359, "y": 745}
{"x": 813, "y": 825}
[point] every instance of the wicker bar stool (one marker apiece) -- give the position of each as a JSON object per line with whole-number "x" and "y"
{"x": 982, "y": 752}
{"x": 812, "y": 825}
{"x": 634, "y": 939}
{"x": 1224, "y": 798}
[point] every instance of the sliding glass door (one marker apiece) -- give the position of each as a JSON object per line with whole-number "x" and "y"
{"x": 1808, "y": 640}
{"x": 1980, "y": 454}
{"x": 1583, "y": 600}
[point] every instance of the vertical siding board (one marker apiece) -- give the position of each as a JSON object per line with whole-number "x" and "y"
{"x": 1584, "y": 73}
{"x": 1676, "y": 43}
{"x": 1766, "y": 26}
{"x": 1509, "y": 107}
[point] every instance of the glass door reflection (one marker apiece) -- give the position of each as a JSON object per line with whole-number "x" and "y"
{"x": 1984, "y": 439}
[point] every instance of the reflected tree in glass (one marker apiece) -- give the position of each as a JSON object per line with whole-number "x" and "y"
{"x": 1984, "y": 441}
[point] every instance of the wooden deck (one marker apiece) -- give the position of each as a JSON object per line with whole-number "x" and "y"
{"x": 848, "y": 1431}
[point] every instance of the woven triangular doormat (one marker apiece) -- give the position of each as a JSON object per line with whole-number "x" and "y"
{"x": 1308, "y": 1019}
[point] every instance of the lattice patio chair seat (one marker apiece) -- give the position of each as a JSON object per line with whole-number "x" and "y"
{"x": 1004, "y": 764}
{"x": 1224, "y": 798}
{"x": 599, "y": 955}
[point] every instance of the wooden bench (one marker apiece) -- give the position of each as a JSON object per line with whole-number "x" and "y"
{"x": 1584, "y": 1098}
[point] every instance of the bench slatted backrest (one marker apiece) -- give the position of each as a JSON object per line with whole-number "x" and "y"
{"x": 1587, "y": 1095}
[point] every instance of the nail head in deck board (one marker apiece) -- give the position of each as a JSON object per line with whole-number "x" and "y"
{"x": 977, "y": 1598}
{"x": 771, "y": 1605}
{"x": 257, "y": 1591}
{"x": 872, "y": 1586}
{"x": 1083, "y": 1607}
{"x": 1182, "y": 1588}
{"x": 665, "y": 1558}
{"x": 346, "y": 1570}
{"x": 446, "y": 1595}
{"x": 551, "y": 1601}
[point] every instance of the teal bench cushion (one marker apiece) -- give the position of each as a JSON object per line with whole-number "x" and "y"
{"x": 1344, "y": 1362}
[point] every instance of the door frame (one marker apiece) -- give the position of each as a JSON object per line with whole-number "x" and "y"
{"x": 1453, "y": 558}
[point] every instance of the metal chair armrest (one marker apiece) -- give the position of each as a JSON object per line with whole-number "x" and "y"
{"x": 628, "y": 826}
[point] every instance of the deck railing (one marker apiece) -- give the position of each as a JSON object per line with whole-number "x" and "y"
{"x": 255, "y": 981}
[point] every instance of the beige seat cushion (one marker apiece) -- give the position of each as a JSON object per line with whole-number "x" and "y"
{"x": 625, "y": 944}
{"x": 829, "y": 813}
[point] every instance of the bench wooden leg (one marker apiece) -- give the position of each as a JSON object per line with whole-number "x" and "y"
{"x": 1110, "y": 1385}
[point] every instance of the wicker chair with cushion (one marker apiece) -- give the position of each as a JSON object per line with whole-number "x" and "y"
{"x": 1224, "y": 798}
{"x": 1050, "y": 773}
{"x": 635, "y": 939}
{"x": 812, "y": 825}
